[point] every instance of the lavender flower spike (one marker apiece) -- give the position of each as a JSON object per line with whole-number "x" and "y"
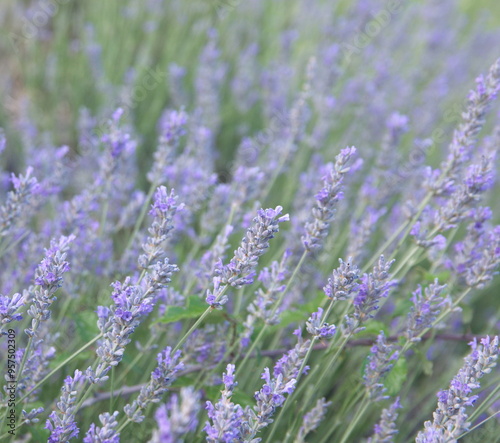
{"x": 464, "y": 137}
{"x": 107, "y": 433}
{"x": 172, "y": 128}
{"x": 326, "y": 199}
{"x": 343, "y": 281}
{"x": 48, "y": 277}
{"x": 312, "y": 419}
{"x": 9, "y": 309}
{"x": 379, "y": 363}
{"x": 425, "y": 310}
{"x": 17, "y": 200}
{"x": 131, "y": 304}
{"x": 384, "y": 431}
{"x": 373, "y": 288}
{"x": 163, "y": 209}
{"x": 176, "y": 420}
{"x": 226, "y": 417}
{"x": 241, "y": 269}
{"x": 162, "y": 377}
{"x": 450, "y": 418}
{"x": 316, "y": 327}
{"x": 272, "y": 394}
{"x": 61, "y": 424}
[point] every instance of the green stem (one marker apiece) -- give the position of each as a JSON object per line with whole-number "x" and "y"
{"x": 276, "y": 305}
{"x": 352, "y": 424}
{"x": 405, "y": 225}
{"x": 140, "y": 219}
{"x": 477, "y": 412}
{"x": 198, "y": 322}
{"x": 299, "y": 374}
{"x": 60, "y": 365}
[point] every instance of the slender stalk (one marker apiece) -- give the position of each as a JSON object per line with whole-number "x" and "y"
{"x": 140, "y": 219}
{"x": 60, "y": 365}
{"x": 352, "y": 424}
{"x": 276, "y": 305}
{"x": 285, "y": 405}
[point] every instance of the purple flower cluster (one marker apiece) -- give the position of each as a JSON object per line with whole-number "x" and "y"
{"x": 426, "y": 307}
{"x": 465, "y": 136}
{"x": 317, "y": 327}
{"x": 326, "y": 200}
{"x": 379, "y": 364}
{"x": 231, "y": 422}
{"x": 131, "y": 304}
{"x": 18, "y": 200}
{"x": 450, "y": 417}
{"x": 226, "y": 417}
{"x": 254, "y": 126}
{"x": 177, "y": 418}
{"x": 343, "y": 282}
{"x": 272, "y": 394}
{"x": 241, "y": 269}
{"x": 104, "y": 433}
{"x": 385, "y": 430}
{"x": 163, "y": 210}
{"x": 162, "y": 377}
{"x": 371, "y": 290}
{"x": 48, "y": 277}
{"x": 312, "y": 419}
{"x": 61, "y": 423}
{"x": 172, "y": 128}
{"x": 9, "y": 309}
{"x": 262, "y": 307}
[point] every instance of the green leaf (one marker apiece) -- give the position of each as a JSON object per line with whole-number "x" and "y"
{"x": 441, "y": 276}
{"x": 184, "y": 381}
{"x": 85, "y": 324}
{"x": 212, "y": 393}
{"x": 427, "y": 367}
{"x": 302, "y": 313}
{"x": 195, "y": 306}
{"x": 289, "y": 317}
{"x": 373, "y": 328}
{"x": 402, "y": 308}
{"x": 396, "y": 377}
{"x": 467, "y": 313}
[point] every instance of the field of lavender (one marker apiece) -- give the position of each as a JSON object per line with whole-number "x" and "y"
{"x": 229, "y": 221}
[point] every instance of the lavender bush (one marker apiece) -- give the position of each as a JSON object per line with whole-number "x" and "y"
{"x": 234, "y": 221}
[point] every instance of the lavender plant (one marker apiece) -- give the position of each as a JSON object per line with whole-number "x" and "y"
{"x": 144, "y": 134}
